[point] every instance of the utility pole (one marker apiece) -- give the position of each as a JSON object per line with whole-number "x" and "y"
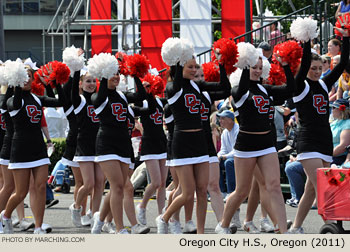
{"x": 248, "y": 24}
{"x": 2, "y": 36}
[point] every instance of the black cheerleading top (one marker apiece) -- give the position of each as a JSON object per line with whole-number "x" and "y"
{"x": 2, "y": 119}
{"x": 112, "y": 105}
{"x": 184, "y": 98}
{"x": 311, "y": 98}
{"x": 26, "y": 112}
{"x": 253, "y": 101}
{"x": 208, "y": 97}
{"x": 169, "y": 121}
{"x": 87, "y": 120}
{"x": 5, "y": 117}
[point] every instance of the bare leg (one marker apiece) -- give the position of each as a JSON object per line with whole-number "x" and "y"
{"x": 214, "y": 190}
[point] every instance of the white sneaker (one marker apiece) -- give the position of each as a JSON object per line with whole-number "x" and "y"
{"x": 250, "y": 228}
{"x": 24, "y": 224}
{"x": 7, "y": 224}
{"x": 85, "y": 220}
{"x": 46, "y": 227}
{"x": 123, "y": 231}
{"x": 76, "y": 215}
{"x": 15, "y": 221}
{"x": 235, "y": 221}
{"x": 162, "y": 227}
{"x": 139, "y": 229}
{"x": 1, "y": 229}
{"x": 97, "y": 227}
{"x": 265, "y": 226}
{"x": 175, "y": 227}
{"x": 39, "y": 231}
{"x": 298, "y": 230}
{"x": 221, "y": 230}
{"x": 190, "y": 228}
{"x": 108, "y": 227}
{"x": 141, "y": 215}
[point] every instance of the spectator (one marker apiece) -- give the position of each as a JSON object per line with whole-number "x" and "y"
{"x": 228, "y": 140}
{"x": 340, "y": 130}
{"x": 344, "y": 84}
{"x": 266, "y": 49}
{"x": 343, "y": 8}
{"x": 276, "y": 36}
{"x": 334, "y": 47}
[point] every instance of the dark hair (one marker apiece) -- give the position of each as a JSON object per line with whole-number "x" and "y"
{"x": 171, "y": 72}
{"x": 336, "y": 42}
{"x": 315, "y": 56}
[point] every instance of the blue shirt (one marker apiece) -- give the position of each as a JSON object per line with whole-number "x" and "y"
{"x": 337, "y": 127}
{"x": 344, "y": 8}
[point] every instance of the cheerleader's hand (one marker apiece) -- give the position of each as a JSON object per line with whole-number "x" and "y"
{"x": 280, "y": 60}
{"x": 80, "y": 51}
{"x": 217, "y": 54}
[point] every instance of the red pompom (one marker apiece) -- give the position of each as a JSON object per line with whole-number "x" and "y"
{"x": 138, "y": 65}
{"x": 276, "y": 76}
{"x": 291, "y": 52}
{"x": 60, "y": 73}
{"x": 338, "y": 24}
{"x": 229, "y": 53}
{"x": 157, "y": 84}
{"x": 211, "y": 72}
{"x": 122, "y": 59}
{"x": 37, "y": 88}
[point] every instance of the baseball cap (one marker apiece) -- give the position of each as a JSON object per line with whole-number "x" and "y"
{"x": 226, "y": 113}
{"x": 340, "y": 104}
{"x": 265, "y": 46}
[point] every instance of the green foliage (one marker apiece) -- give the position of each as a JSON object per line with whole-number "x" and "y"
{"x": 60, "y": 146}
{"x": 282, "y": 7}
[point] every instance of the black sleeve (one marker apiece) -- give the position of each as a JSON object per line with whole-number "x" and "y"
{"x": 75, "y": 94}
{"x": 140, "y": 111}
{"x": 304, "y": 68}
{"x": 284, "y": 90}
{"x": 140, "y": 95}
{"x": 176, "y": 85}
{"x": 242, "y": 88}
{"x": 8, "y": 94}
{"x": 224, "y": 83}
{"x": 49, "y": 91}
{"x": 164, "y": 101}
{"x": 15, "y": 103}
{"x": 53, "y": 102}
{"x": 99, "y": 97}
{"x": 334, "y": 75}
{"x": 67, "y": 88}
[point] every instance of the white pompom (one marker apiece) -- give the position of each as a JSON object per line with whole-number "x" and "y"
{"x": 248, "y": 55}
{"x": 3, "y": 80}
{"x": 235, "y": 77}
{"x": 15, "y": 73}
{"x": 304, "y": 29}
{"x": 265, "y": 69}
{"x": 171, "y": 51}
{"x": 103, "y": 65}
{"x": 187, "y": 51}
{"x": 72, "y": 60}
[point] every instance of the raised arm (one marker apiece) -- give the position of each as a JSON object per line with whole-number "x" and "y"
{"x": 53, "y": 102}
{"x": 15, "y": 102}
{"x": 67, "y": 88}
{"x": 176, "y": 85}
{"x": 49, "y": 91}
{"x": 334, "y": 75}
{"x": 144, "y": 111}
{"x": 99, "y": 97}
{"x": 242, "y": 88}
{"x": 304, "y": 68}
{"x": 224, "y": 83}
{"x": 8, "y": 94}
{"x": 75, "y": 94}
{"x": 139, "y": 95}
{"x": 285, "y": 90}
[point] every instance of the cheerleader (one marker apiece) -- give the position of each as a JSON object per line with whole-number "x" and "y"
{"x": 153, "y": 153}
{"x": 113, "y": 143}
{"x": 88, "y": 124}
{"x": 314, "y": 145}
{"x": 255, "y": 143}
{"x": 28, "y": 150}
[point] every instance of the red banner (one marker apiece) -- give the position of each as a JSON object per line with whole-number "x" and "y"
{"x": 233, "y": 17}
{"x": 101, "y": 35}
{"x": 156, "y": 27}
